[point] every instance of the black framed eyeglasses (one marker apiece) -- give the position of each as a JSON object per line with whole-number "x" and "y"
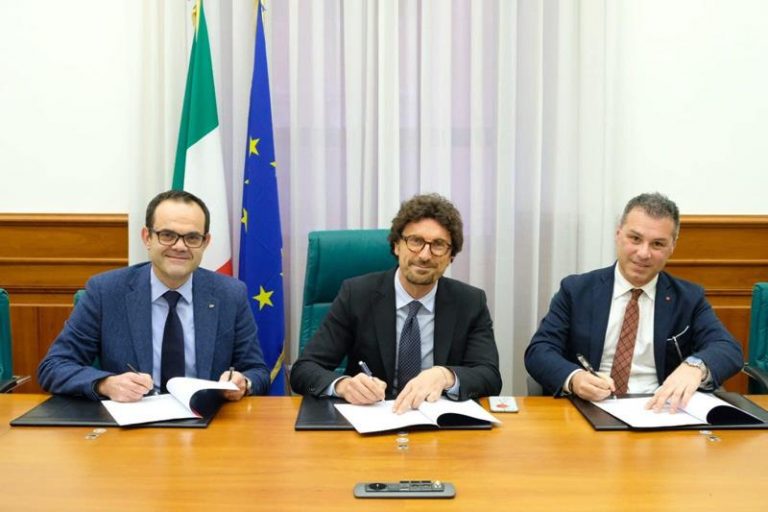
{"x": 437, "y": 247}
{"x": 192, "y": 240}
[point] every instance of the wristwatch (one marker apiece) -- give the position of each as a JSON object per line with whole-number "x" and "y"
{"x": 697, "y": 363}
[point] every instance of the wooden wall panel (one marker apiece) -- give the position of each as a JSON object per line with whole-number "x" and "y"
{"x": 44, "y": 260}
{"x": 727, "y": 255}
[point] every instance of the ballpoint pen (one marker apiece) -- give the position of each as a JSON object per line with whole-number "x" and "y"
{"x": 231, "y": 369}
{"x": 365, "y": 368}
{"x": 588, "y": 367}
{"x": 151, "y": 392}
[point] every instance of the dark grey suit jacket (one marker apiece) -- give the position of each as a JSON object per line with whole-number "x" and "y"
{"x": 578, "y": 318}
{"x": 113, "y": 321}
{"x": 361, "y": 326}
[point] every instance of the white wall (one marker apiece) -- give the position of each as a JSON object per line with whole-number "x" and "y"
{"x": 68, "y": 102}
{"x": 690, "y": 102}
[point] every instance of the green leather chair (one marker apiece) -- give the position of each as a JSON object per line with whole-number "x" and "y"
{"x": 332, "y": 257}
{"x": 757, "y": 364}
{"x": 6, "y": 353}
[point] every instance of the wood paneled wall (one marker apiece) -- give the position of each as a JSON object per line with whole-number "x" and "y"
{"x": 44, "y": 260}
{"x": 727, "y": 255}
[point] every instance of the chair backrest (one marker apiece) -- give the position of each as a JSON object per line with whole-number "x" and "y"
{"x": 332, "y": 257}
{"x": 758, "y": 333}
{"x": 6, "y": 352}
{"x": 78, "y": 294}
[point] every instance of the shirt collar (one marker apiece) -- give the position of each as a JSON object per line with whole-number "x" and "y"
{"x": 622, "y": 286}
{"x": 158, "y": 288}
{"x": 403, "y": 298}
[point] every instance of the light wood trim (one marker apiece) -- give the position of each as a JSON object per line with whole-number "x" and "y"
{"x": 58, "y": 219}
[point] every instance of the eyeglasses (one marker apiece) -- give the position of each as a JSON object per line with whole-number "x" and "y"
{"x": 192, "y": 240}
{"x": 437, "y": 247}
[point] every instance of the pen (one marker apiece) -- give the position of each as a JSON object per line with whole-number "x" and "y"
{"x": 231, "y": 369}
{"x": 151, "y": 392}
{"x": 677, "y": 346}
{"x": 365, "y": 368}
{"x": 588, "y": 367}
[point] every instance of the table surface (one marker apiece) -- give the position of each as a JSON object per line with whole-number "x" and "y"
{"x": 546, "y": 457}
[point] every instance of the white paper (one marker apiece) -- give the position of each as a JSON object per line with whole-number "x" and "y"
{"x": 173, "y": 406}
{"x": 379, "y": 417}
{"x": 632, "y": 411}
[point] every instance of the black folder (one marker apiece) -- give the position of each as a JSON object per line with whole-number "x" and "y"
{"x": 601, "y": 420}
{"x": 66, "y": 411}
{"x": 320, "y": 414}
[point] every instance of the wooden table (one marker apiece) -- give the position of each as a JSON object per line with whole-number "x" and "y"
{"x": 545, "y": 458}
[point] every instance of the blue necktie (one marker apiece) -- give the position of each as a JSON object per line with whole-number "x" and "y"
{"x": 172, "y": 358}
{"x": 409, "y": 351}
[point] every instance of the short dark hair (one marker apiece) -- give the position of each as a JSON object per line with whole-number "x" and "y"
{"x": 655, "y": 205}
{"x": 428, "y": 206}
{"x": 176, "y": 195}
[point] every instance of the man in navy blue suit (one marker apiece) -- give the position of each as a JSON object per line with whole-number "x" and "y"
{"x": 679, "y": 343}
{"x": 122, "y": 318}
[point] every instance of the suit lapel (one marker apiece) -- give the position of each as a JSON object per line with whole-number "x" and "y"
{"x": 383, "y": 307}
{"x": 206, "y": 310}
{"x": 602, "y": 295}
{"x": 446, "y": 312}
{"x": 663, "y": 310}
{"x": 138, "y": 306}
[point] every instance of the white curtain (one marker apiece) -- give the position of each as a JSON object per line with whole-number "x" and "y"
{"x": 498, "y": 105}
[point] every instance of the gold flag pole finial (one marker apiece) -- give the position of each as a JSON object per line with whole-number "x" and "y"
{"x": 195, "y": 10}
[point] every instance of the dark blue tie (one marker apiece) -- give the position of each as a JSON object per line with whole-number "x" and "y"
{"x": 172, "y": 358}
{"x": 409, "y": 351}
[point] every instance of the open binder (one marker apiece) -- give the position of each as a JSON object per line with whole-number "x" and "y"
{"x": 601, "y": 420}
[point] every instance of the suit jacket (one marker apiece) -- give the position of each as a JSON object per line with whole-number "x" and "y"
{"x": 578, "y": 318}
{"x": 361, "y": 326}
{"x": 112, "y": 321}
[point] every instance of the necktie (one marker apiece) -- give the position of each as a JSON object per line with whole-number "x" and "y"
{"x": 622, "y": 360}
{"x": 172, "y": 358}
{"x": 409, "y": 351}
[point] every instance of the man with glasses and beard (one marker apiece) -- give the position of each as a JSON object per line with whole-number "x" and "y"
{"x": 154, "y": 321}
{"x": 408, "y": 333}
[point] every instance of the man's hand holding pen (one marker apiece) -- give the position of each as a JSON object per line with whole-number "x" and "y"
{"x": 239, "y": 381}
{"x": 589, "y": 384}
{"x": 592, "y": 387}
{"x": 362, "y": 389}
{"x": 130, "y": 386}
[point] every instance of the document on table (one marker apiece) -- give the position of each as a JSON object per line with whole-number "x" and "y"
{"x": 379, "y": 417}
{"x": 184, "y": 400}
{"x": 702, "y": 409}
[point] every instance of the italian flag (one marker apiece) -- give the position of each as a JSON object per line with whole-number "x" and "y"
{"x": 199, "y": 167}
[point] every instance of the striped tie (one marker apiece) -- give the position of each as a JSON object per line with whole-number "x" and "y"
{"x": 622, "y": 360}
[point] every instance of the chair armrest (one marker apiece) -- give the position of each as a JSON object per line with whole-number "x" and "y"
{"x": 760, "y": 376}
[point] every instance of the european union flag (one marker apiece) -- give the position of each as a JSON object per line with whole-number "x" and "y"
{"x": 261, "y": 242}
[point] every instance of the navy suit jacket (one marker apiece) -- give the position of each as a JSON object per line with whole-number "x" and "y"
{"x": 578, "y": 318}
{"x": 361, "y": 325}
{"x": 112, "y": 321}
